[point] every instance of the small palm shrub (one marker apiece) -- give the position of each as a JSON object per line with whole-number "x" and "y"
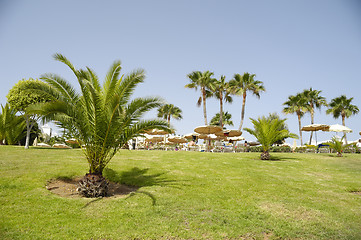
{"x": 338, "y": 146}
{"x": 268, "y": 131}
{"x": 102, "y": 118}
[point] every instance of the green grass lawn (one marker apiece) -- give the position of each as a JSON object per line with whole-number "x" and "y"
{"x": 184, "y": 195}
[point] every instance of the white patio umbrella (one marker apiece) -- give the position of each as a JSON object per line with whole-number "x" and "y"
{"x": 339, "y": 128}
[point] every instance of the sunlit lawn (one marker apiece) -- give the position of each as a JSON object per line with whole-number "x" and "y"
{"x": 184, "y": 195}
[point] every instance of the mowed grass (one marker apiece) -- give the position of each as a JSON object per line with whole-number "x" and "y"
{"x": 184, "y": 195}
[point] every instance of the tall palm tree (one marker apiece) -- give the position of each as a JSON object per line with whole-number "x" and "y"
{"x": 313, "y": 100}
{"x": 168, "y": 111}
{"x": 226, "y": 119}
{"x": 222, "y": 91}
{"x": 241, "y": 84}
{"x": 101, "y": 117}
{"x": 296, "y": 104}
{"x": 205, "y": 82}
{"x": 268, "y": 131}
{"x": 341, "y": 106}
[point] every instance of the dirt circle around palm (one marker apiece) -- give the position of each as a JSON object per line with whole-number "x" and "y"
{"x": 67, "y": 188}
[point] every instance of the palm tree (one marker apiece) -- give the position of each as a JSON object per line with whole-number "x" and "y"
{"x": 268, "y": 131}
{"x": 205, "y": 82}
{"x": 341, "y": 106}
{"x": 296, "y": 104}
{"x": 102, "y": 118}
{"x": 338, "y": 145}
{"x": 11, "y": 126}
{"x": 313, "y": 100}
{"x": 167, "y": 111}
{"x": 241, "y": 84}
{"x": 226, "y": 119}
{"x": 222, "y": 91}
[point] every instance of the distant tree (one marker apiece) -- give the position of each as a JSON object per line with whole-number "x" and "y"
{"x": 296, "y": 104}
{"x": 20, "y": 98}
{"x": 313, "y": 100}
{"x": 205, "y": 82}
{"x": 241, "y": 84}
{"x": 102, "y": 118}
{"x": 11, "y": 126}
{"x": 268, "y": 132}
{"x": 168, "y": 111}
{"x": 226, "y": 119}
{"x": 342, "y": 107}
{"x": 222, "y": 91}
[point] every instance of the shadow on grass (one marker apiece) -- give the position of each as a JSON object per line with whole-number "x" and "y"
{"x": 139, "y": 178}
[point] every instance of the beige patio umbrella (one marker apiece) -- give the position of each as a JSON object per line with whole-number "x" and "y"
{"x": 315, "y": 127}
{"x": 156, "y": 132}
{"x": 72, "y": 141}
{"x": 177, "y": 139}
{"x": 191, "y": 135}
{"x": 207, "y": 129}
{"x": 239, "y": 138}
{"x": 229, "y": 133}
{"x": 154, "y": 139}
{"x": 203, "y": 136}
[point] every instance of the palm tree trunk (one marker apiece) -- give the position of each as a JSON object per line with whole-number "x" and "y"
{"x": 242, "y": 113}
{"x": 28, "y": 129}
{"x": 343, "y": 123}
{"x": 221, "y": 109}
{"x": 299, "y": 127}
{"x": 312, "y": 121}
{"x": 204, "y": 106}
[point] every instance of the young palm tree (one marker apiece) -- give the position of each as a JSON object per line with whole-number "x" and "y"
{"x": 241, "y": 84}
{"x": 205, "y": 82}
{"x": 296, "y": 104}
{"x": 222, "y": 91}
{"x": 168, "y": 111}
{"x": 11, "y": 126}
{"x": 226, "y": 119}
{"x": 268, "y": 131}
{"x": 313, "y": 100}
{"x": 341, "y": 106}
{"x": 102, "y": 118}
{"x": 338, "y": 145}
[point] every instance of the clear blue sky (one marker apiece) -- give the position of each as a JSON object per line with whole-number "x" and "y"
{"x": 289, "y": 45}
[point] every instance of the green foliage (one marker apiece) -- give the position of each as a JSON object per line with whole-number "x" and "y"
{"x": 338, "y": 146}
{"x": 102, "y": 118}
{"x": 20, "y": 96}
{"x": 269, "y": 131}
{"x": 226, "y": 119}
{"x": 168, "y": 111}
{"x": 11, "y": 126}
{"x": 206, "y": 83}
{"x": 241, "y": 84}
{"x": 341, "y": 106}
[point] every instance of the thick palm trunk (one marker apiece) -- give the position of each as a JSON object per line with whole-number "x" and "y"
{"x": 221, "y": 110}
{"x": 204, "y": 106}
{"x": 242, "y": 113}
{"x": 299, "y": 127}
